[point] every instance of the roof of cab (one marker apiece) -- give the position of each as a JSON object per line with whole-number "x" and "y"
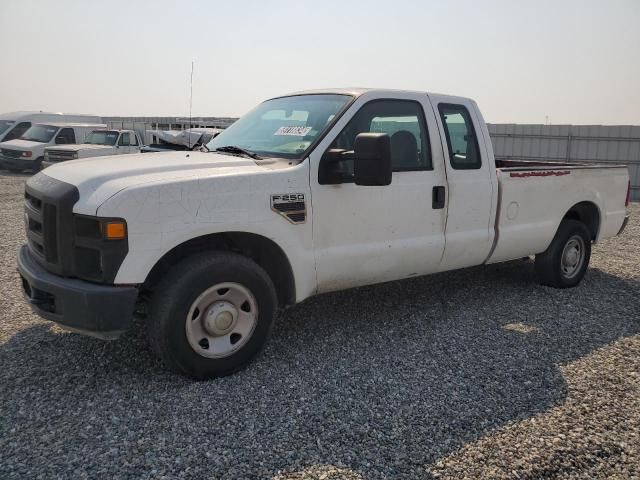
{"x": 357, "y": 91}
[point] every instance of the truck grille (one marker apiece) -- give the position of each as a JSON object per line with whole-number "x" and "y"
{"x": 60, "y": 155}
{"x": 41, "y": 225}
{"x": 48, "y": 205}
{"x": 11, "y": 153}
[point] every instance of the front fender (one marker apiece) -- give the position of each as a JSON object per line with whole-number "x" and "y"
{"x": 162, "y": 217}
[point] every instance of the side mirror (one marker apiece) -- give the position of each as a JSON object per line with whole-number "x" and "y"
{"x": 372, "y": 159}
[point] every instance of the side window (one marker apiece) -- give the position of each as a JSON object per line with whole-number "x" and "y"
{"x": 124, "y": 140}
{"x": 464, "y": 153}
{"x": 133, "y": 140}
{"x": 66, "y": 136}
{"x": 17, "y": 131}
{"x": 403, "y": 121}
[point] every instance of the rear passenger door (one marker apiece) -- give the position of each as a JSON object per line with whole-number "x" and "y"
{"x": 371, "y": 234}
{"x": 470, "y": 231}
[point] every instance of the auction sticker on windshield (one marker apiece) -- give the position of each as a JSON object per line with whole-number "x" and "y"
{"x": 293, "y": 131}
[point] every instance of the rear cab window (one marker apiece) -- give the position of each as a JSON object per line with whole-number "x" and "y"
{"x": 462, "y": 141}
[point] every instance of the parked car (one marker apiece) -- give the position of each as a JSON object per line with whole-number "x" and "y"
{"x": 14, "y": 124}
{"x": 308, "y": 193}
{"x": 27, "y": 152}
{"x": 99, "y": 143}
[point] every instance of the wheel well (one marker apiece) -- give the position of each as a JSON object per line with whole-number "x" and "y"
{"x": 263, "y": 251}
{"x": 587, "y": 213}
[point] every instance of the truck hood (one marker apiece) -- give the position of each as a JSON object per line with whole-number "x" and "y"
{"x": 80, "y": 146}
{"x": 21, "y": 144}
{"x": 99, "y": 179}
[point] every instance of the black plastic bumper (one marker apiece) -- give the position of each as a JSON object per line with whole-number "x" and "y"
{"x": 98, "y": 310}
{"x": 17, "y": 163}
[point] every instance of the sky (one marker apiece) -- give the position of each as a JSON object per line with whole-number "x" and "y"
{"x": 523, "y": 61}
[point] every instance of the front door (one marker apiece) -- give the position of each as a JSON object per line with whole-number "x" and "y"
{"x": 362, "y": 234}
{"x": 124, "y": 144}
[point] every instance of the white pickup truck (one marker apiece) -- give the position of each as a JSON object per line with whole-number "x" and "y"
{"x": 308, "y": 193}
{"x": 99, "y": 143}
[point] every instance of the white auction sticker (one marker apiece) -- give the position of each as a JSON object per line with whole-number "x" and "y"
{"x": 293, "y": 131}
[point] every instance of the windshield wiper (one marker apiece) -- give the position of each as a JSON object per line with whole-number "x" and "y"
{"x": 238, "y": 151}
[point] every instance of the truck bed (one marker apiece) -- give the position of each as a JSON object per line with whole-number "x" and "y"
{"x": 534, "y": 196}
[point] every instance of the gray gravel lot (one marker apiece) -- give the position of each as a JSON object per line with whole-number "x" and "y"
{"x": 479, "y": 373}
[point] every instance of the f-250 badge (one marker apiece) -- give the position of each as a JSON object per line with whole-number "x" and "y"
{"x": 291, "y": 206}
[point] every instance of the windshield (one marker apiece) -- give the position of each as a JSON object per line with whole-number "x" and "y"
{"x": 102, "y": 137}
{"x": 283, "y": 127}
{"x": 4, "y": 125}
{"x": 40, "y": 133}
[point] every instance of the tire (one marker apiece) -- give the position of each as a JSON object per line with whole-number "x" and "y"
{"x": 565, "y": 262}
{"x": 193, "y": 326}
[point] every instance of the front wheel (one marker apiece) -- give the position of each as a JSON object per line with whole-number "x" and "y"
{"x": 565, "y": 262}
{"x": 211, "y": 314}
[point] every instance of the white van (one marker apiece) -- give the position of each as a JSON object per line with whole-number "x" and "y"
{"x": 27, "y": 152}
{"x": 14, "y": 124}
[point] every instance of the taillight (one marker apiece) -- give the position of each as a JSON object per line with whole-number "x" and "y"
{"x": 626, "y": 202}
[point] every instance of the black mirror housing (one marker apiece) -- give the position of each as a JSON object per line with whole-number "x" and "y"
{"x": 372, "y": 162}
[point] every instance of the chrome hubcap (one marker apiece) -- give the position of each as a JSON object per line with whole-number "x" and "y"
{"x": 221, "y": 320}
{"x": 573, "y": 256}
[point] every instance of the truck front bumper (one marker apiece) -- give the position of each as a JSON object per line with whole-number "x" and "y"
{"x": 97, "y": 310}
{"x": 20, "y": 164}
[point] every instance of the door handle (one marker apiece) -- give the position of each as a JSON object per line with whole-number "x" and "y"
{"x": 438, "y": 197}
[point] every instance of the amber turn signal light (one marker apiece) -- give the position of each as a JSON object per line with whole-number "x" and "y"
{"x": 114, "y": 230}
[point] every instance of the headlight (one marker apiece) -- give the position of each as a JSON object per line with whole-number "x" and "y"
{"x": 26, "y": 154}
{"x": 100, "y": 245}
{"x": 46, "y": 155}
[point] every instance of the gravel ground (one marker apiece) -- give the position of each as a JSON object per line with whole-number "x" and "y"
{"x": 478, "y": 373}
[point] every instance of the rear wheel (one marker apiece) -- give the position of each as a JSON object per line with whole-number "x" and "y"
{"x": 211, "y": 314}
{"x": 565, "y": 262}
